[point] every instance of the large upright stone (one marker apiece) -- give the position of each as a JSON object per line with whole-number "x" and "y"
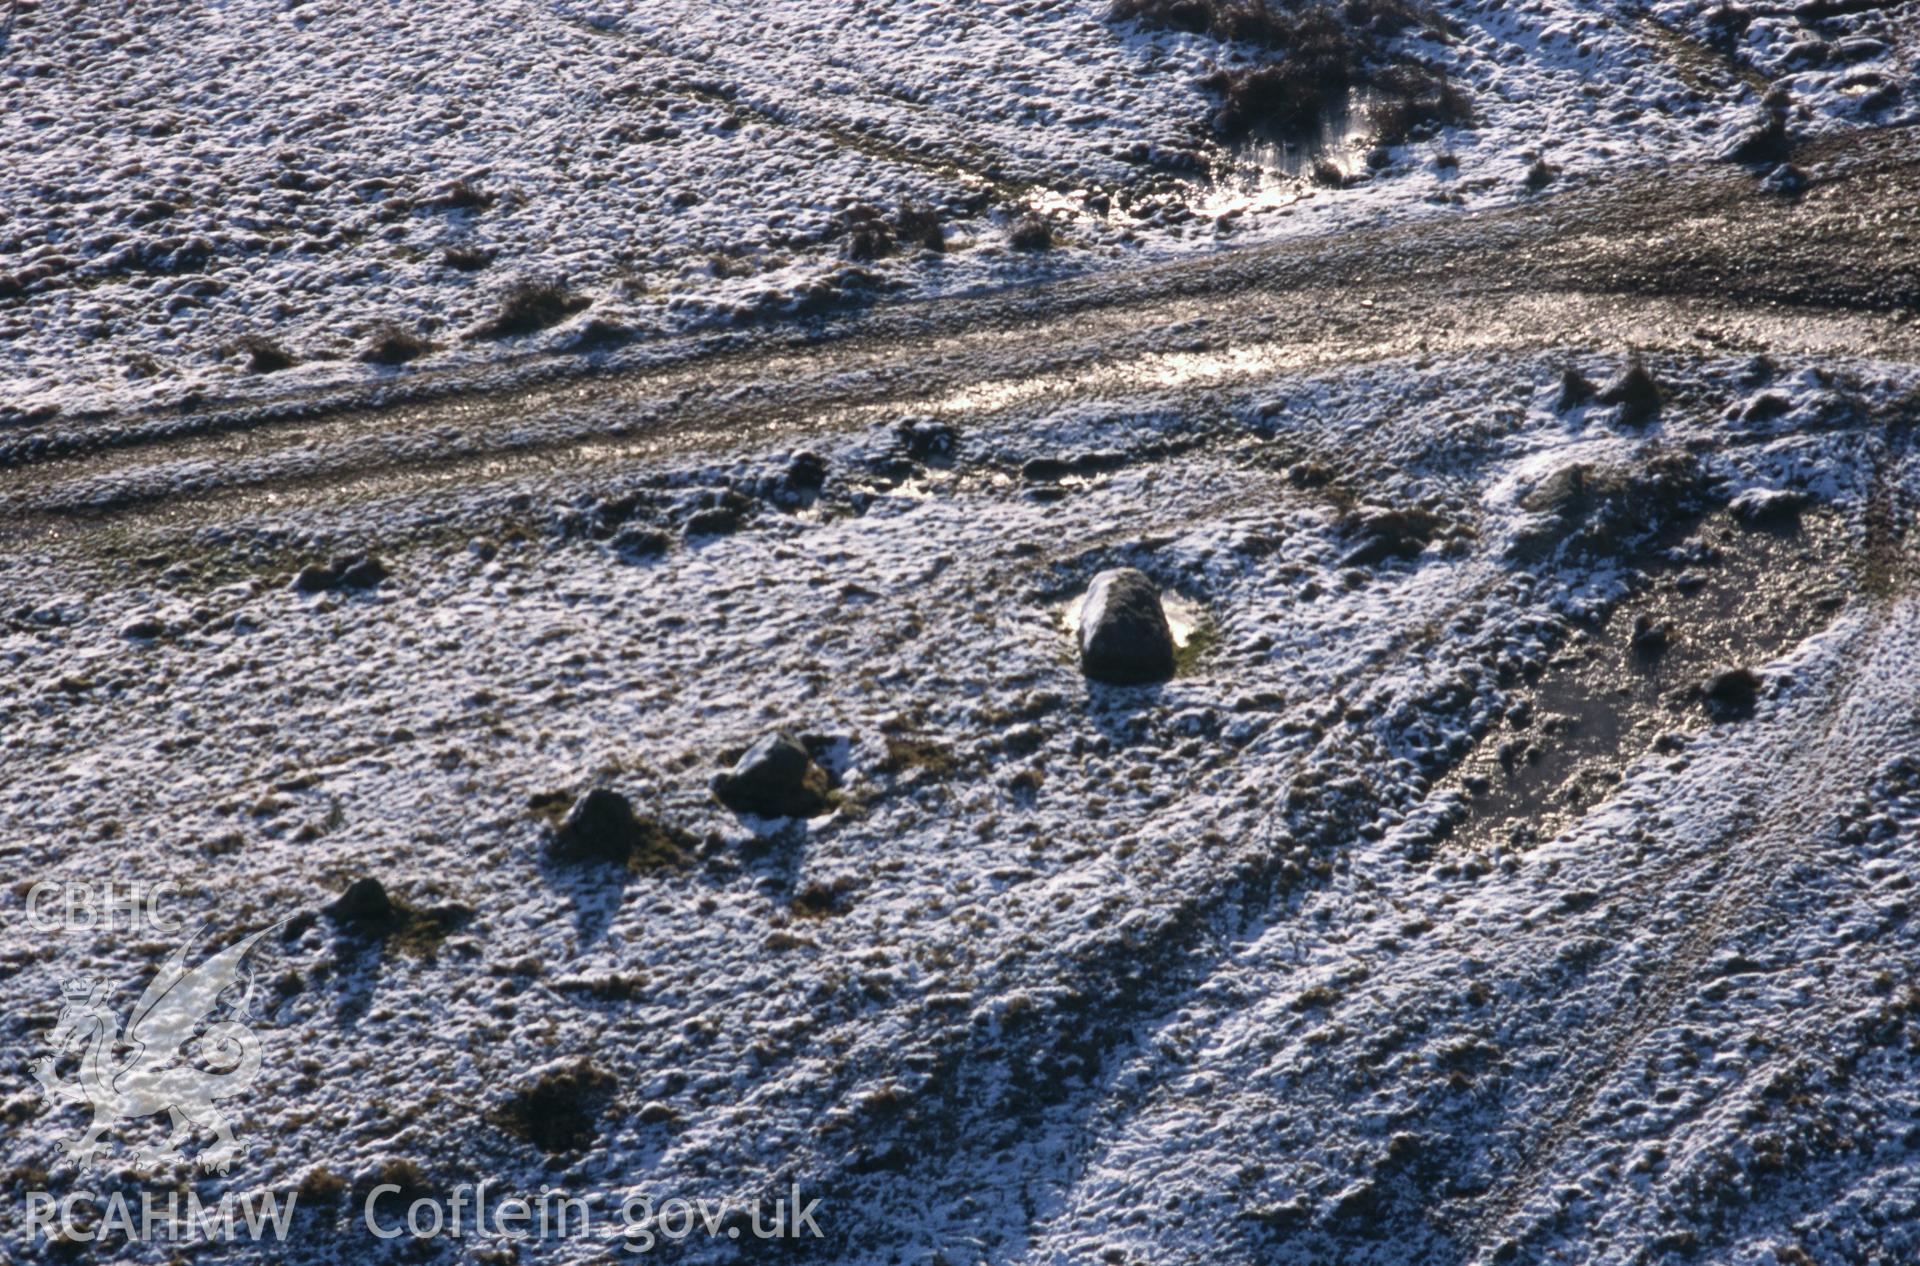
{"x": 1124, "y": 638}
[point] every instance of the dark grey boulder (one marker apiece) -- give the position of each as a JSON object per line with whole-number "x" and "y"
{"x": 776, "y": 778}
{"x": 1731, "y": 693}
{"x": 1124, "y": 638}
{"x": 364, "y": 904}
{"x": 600, "y": 826}
{"x": 1637, "y": 394}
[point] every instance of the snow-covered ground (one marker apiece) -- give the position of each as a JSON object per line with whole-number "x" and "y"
{"x": 1248, "y": 967}
{"x": 1518, "y": 867}
{"x": 181, "y": 178}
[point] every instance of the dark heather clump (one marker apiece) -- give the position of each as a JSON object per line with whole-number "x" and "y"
{"x": 920, "y": 226}
{"x": 264, "y": 356}
{"x": 529, "y": 306}
{"x": 561, "y": 1110}
{"x": 1637, "y": 394}
{"x": 1030, "y": 233}
{"x": 1324, "y": 53}
{"x": 392, "y": 345}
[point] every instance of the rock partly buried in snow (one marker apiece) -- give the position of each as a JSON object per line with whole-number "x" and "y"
{"x": 364, "y": 905}
{"x": 1575, "y": 390}
{"x": 777, "y": 778}
{"x": 364, "y": 572}
{"x": 1637, "y": 394}
{"x": 1765, "y": 507}
{"x": 143, "y": 628}
{"x": 1124, "y": 637}
{"x": 601, "y": 826}
{"x": 1730, "y": 693}
{"x": 1385, "y": 533}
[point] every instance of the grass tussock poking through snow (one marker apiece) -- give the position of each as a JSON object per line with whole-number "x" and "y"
{"x": 394, "y": 345}
{"x": 264, "y": 356}
{"x": 529, "y": 306}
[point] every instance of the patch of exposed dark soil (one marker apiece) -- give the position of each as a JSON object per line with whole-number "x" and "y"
{"x": 1725, "y": 595}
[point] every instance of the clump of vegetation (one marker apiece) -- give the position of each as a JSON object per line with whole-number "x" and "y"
{"x": 264, "y": 356}
{"x": 413, "y": 1185}
{"x": 467, "y": 259}
{"x": 1325, "y": 54}
{"x": 528, "y": 306}
{"x": 531, "y": 305}
{"x": 920, "y": 225}
{"x": 1030, "y": 232}
{"x": 560, "y": 1111}
{"x": 321, "y": 1186}
{"x": 912, "y": 754}
{"x": 462, "y": 195}
{"x": 394, "y": 345}
{"x": 1414, "y": 101}
{"x": 869, "y": 236}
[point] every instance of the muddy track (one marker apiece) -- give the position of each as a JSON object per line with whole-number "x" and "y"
{"x": 1682, "y": 260}
{"x": 1816, "y": 772}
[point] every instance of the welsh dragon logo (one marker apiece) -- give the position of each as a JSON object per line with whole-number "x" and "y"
{"x": 153, "y": 1074}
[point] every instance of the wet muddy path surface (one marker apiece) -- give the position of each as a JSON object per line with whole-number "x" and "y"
{"x": 1691, "y": 260}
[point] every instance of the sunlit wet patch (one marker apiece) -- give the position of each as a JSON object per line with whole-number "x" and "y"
{"x": 1274, "y": 168}
{"x": 1186, "y": 619}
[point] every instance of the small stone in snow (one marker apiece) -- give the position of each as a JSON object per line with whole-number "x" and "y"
{"x": 363, "y": 573}
{"x": 1124, "y": 638}
{"x": 144, "y": 628}
{"x": 1731, "y": 693}
{"x": 364, "y": 904}
{"x": 601, "y": 826}
{"x": 776, "y": 778}
{"x": 1637, "y": 394}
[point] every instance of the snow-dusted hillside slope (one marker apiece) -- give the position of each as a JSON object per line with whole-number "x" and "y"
{"x": 1430, "y": 914}
{"x": 181, "y": 178}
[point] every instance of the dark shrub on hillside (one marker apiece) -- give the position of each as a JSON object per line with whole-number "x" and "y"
{"x": 468, "y": 259}
{"x": 530, "y": 305}
{"x": 920, "y": 226}
{"x": 1325, "y": 53}
{"x": 1415, "y": 102}
{"x": 461, "y": 195}
{"x": 1030, "y": 233}
{"x": 1322, "y": 62}
{"x": 868, "y": 235}
{"x": 394, "y": 345}
{"x": 264, "y": 356}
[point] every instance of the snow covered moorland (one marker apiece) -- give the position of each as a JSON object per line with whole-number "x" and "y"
{"x": 323, "y": 192}
{"x": 960, "y": 633}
